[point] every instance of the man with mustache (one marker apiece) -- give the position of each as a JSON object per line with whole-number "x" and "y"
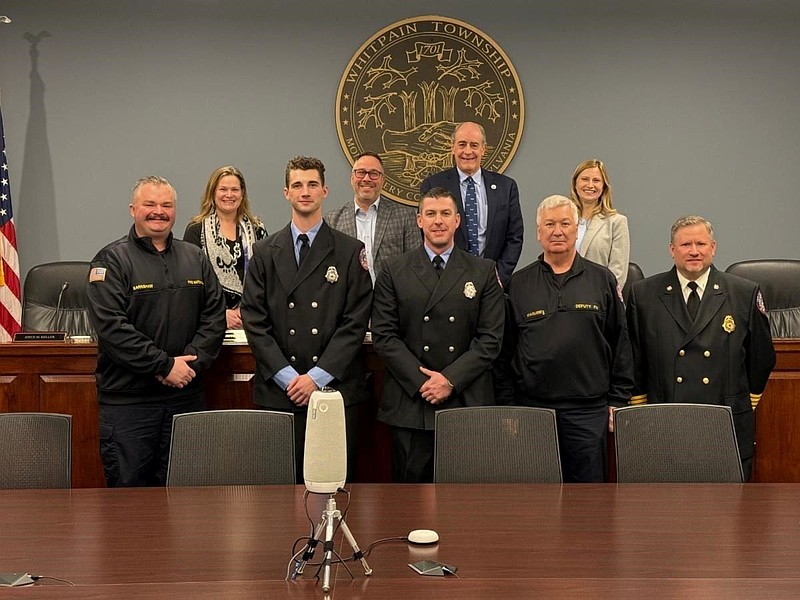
{"x": 159, "y": 313}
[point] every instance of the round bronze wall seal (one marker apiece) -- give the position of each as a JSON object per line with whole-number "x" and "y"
{"x": 409, "y": 85}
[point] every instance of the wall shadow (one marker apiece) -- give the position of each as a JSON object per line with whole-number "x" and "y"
{"x": 36, "y": 198}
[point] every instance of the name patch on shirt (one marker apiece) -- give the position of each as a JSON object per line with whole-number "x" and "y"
{"x": 584, "y": 306}
{"x": 535, "y": 313}
{"x": 143, "y": 286}
{"x": 194, "y": 282}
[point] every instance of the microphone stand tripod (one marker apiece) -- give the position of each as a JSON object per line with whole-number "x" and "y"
{"x": 328, "y": 524}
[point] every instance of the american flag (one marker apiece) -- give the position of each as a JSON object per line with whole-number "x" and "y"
{"x": 10, "y": 298}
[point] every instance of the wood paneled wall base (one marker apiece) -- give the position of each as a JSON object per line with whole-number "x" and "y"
{"x": 60, "y": 378}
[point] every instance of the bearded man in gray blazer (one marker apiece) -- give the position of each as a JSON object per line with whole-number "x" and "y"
{"x": 386, "y": 228}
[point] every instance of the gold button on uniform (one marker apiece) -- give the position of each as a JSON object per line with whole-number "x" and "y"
{"x": 314, "y": 358}
{"x": 451, "y": 349}
{"x": 452, "y": 319}
{"x": 314, "y": 305}
{"x": 679, "y": 380}
{"x": 314, "y": 331}
{"x": 291, "y": 332}
{"x": 706, "y": 353}
{"x": 682, "y": 353}
{"x": 293, "y": 358}
{"x": 705, "y": 380}
{"x": 426, "y": 318}
{"x": 291, "y": 304}
{"x": 426, "y": 348}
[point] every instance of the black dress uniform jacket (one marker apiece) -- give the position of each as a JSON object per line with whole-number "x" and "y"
{"x": 721, "y": 358}
{"x": 314, "y": 316}
{"x": 148, "y": 307}
{"x": 452, "y": 324}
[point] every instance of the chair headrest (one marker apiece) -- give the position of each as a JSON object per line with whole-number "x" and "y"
{"x": 779, "y": 280}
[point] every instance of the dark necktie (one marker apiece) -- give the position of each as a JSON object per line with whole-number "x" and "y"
{"x": 438, "y": 265}
{"x": 471, "y": 212}
{"x": 693, "y": 302}
{"x": 304, "y": 248}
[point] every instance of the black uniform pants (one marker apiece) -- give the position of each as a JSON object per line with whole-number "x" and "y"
{"x": 582, "y": 443}
{"x": 135, "y": 439}
{"x": 412, "y": 455}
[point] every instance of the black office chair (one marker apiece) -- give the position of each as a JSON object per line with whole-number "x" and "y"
{"x": 231, "y": 447}
{"x": 779, "y": 280}
{"x": 496, "y": 444}
{"x": 676, "y": 443}
{"x": 35, "y": 450}
{"x": 43, "y": 286}
{"x": 634, "y": 274}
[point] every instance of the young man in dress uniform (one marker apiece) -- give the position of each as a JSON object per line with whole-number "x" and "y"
{"x": 305, "y": 309}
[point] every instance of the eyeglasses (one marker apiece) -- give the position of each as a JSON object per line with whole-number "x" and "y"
{"x": 361, "y": 173}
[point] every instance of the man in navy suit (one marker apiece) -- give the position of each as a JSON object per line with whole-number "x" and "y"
{"x": 491, "y": 219}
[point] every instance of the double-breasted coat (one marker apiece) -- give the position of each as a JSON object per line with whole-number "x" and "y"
{"x": 452, "y": 324}
{"x": 722, "y": 357}
{"x": 316, "y": 315}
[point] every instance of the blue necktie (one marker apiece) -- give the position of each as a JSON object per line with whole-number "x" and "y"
{"x": 471, "y": 211}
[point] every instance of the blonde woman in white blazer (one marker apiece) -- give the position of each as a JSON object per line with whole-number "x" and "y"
{"x": 602, "y": 232}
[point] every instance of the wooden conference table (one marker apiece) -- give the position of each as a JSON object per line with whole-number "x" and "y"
{"x": 508, "y": 541}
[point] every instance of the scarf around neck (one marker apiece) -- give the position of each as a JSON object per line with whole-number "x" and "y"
{"x": 224, "y": 258}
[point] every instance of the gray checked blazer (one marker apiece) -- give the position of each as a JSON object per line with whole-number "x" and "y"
{"x": 396, "y": 230}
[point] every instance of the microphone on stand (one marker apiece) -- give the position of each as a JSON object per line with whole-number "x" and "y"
{"x": 57, "y": 320}
{"x": 53, "y": 333}
{"x": 325, "y": 472}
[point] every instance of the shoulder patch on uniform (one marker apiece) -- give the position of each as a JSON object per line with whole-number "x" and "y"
{"x": 362, "y": 258}
{"x": 762, "y": 308}
{"x": 97, "y": 274}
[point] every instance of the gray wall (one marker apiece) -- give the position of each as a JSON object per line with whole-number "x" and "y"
{"x": 692, "y": 105}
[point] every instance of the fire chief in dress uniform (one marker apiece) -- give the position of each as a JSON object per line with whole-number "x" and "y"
{"x": 721, "y": 355}
{"x": 437, "y": 321}
{"x": 305, "y": 308}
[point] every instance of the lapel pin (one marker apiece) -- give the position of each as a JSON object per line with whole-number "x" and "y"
{"x": 494, "y": 186}
{"x": 469, "y": 290}
{"x": 669, "y": 288}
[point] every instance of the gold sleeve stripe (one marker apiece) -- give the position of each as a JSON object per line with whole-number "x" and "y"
{"x": 640, "y": 399}
{"x": 754, "y": 398}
